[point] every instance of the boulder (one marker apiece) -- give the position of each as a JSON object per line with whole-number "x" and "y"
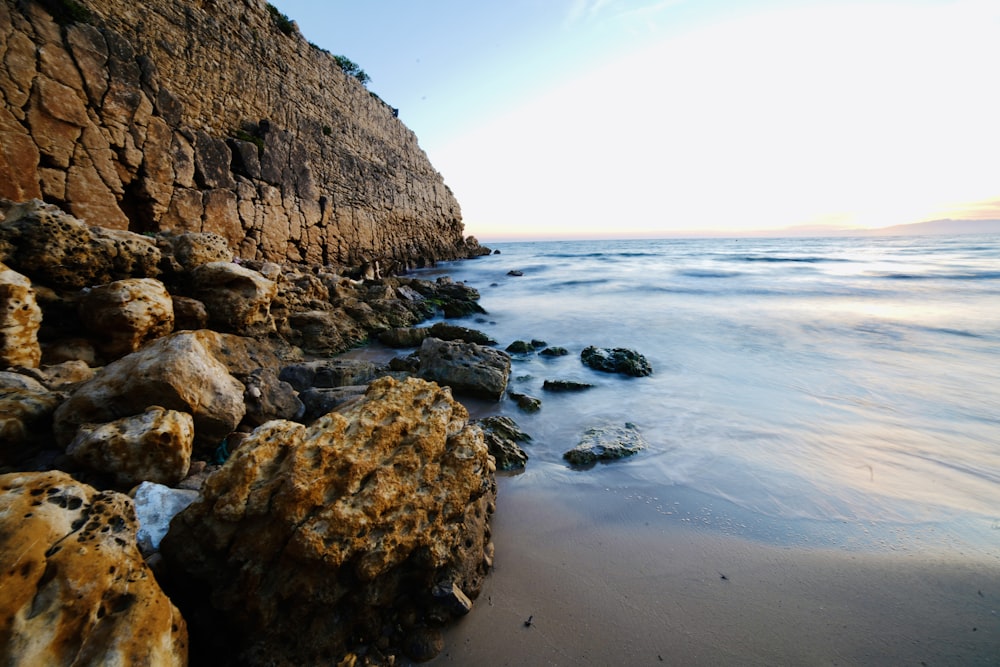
{"x": 400, "y": 337}
{"x": 238, "y": 300}
{"x": 192, "y": 249}
{"x": 554, "y": 351}
{"x": 20, "y": 319}
{"x": 446, "y": 331}
{"x": 606, "y": 443}
{"x": 189, "y": 314}
{"x": 319, "y": 401}
{"x": 616, "y": 360}
{"x": 126, "y": 314}
{"x": 322, "y": 332}
{"x": 154, "y": 446}
{"x": 185, "y": 371}
{"x": 61, "y": 251}
{"x": 520, "y": 347}
{"x": 502, "y": 435}
{"x": 312, "y": 540}
{"x": 267, "y": 397}
{"x": 326, "y": 373}
{"x": 61, "y": 376}
{"x": 25, "y": 419}
{"x": 565, "y": 385}
{"x": 525, "y": 402}
{"x": 465, "y": 367}
{"x": 74, "y": 589}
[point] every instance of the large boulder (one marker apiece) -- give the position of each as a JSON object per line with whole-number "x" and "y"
{"x": 467, "y": 368}
{"x": 185, "y": 371}
{"x": 20, "y": 319}
{"x": 326, "y": 373}
{"x": 238, "y": 299}
{"x": 74, "y": 589}
{"x": 61, "y": 251}
{"x": 154, "y": 446}
{"x": 126, "y": 314}
{"x": 371, "y": 523}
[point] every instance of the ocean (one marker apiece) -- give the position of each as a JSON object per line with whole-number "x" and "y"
{"x": 833, "y": 391}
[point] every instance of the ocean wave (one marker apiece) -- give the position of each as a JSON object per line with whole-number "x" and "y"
{"x": 707, "y": 273}
{"x": 974, "y": 275}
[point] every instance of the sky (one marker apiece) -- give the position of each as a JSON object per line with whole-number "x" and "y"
{"x": 648, "y": 118}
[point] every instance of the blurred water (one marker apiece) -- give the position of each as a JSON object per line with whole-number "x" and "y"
{"x": 834, "y": 381}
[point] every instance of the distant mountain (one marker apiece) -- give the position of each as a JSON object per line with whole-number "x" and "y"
{"x": 940, "y": 228}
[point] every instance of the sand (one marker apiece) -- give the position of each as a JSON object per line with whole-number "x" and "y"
{"x": 606, "y": 579}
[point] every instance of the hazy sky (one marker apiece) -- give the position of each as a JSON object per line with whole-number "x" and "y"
{"x": 630, "y": 117}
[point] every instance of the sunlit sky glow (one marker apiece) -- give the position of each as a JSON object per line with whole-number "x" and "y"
{"x": 595, "y": 118}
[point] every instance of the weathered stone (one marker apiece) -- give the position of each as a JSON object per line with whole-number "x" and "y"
{"x": 25, "y": 419}
{"x": 57, "y": 377}
{"x": 20, "y": 319}
{"x": 238, "y": 300}
{"x": 266, "y": 398}
{"x": 320, "y": 400}
{"x": 616, "y": 360}
{"x": 329, "y": 373}
{"x": 606, "y": 443}
{"x": 401, "y": 337}
{"x": 74, "y": 589}
{"x": 60, "y": 251}
{"x": 446, "y": 331}
{"x": 565, "y": 385}
{"x": 502, "y": 435}
{"x": 322, "y": 332}
{"x": 154, "y": 446}
{"x": 189, "y": 313}
{"x": 155, "y": 506}
{"x": 183, "y": 371}
{"x": 525, "y": 402}
{"x": 554, "y": 352}
{"x": 192, "y": 249}
{"x": 465, "y": 367}
{"x": 340, "y": 527}
{"x": 520, "y": 347}
{"x": 127, "y": 314}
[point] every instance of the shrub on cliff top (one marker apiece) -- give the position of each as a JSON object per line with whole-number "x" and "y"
{"x": 283, "y": 23}
{"x": 351, "y": 68}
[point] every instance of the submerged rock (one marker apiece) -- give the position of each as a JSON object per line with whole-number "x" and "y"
{"x": 446, "y": 331}
{"x": 606, "y": 443}
{"x": 313, "y": 540}
{"x": 565, "y": 385}
{"x": 74, "y": 589}
{"x": 616, "y": 360}
{"x": 525, "y": 402}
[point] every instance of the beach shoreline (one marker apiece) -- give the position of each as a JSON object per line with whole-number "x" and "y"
{"x": 602, "y": 578}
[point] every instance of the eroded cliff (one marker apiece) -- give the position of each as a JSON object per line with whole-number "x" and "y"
{"x": 213, "y": 116}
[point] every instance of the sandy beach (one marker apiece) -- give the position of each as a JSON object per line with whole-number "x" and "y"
{"x": 607, "y": 579}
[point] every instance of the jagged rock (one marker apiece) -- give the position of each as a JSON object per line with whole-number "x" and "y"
{"x": 456, "y": 299}
{"x": 606, "y": 443}
{"x": 520, "y": 347}
{"x": 319, "y": 401}
{"x": 25, "y": 418}
{"x": 329, "y": 373}
{"x": 189, "y": 250}
{"x": 525, "y": 402}
{"x": 401, "y": 337}
{"x": 126, "y": 314}
{"x": 343, "y": 527}
{"x": 554, "y": 352}
{"x": 185, "y": 371}
{"x": 465, "y": 367}
{"x": 565, "y": 385}
{"x": 238, "y": 300}
{"x": 502, "y": 435}
{"x": 154, "y": 446}
{"x": 74, "y": 589}
{"x": 20, "y": 319}
{"x": 616, "y": 360}
{"x": 267, "y": 397}
{"x": 60, "y": 251}
{"x": 322, "y": 332}
{"x": 446, "y": 331}
{"x": 155, "y": 506}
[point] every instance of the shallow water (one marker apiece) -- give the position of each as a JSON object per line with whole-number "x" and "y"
{"x": 844, "y": 390}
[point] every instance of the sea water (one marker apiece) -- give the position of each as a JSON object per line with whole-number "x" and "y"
{"x": 845, "y": 390}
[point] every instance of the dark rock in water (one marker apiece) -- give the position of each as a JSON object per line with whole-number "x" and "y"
{"x": 455, "y": 299}
{"x": 606, "y": 443}
{"x": 446, "y": 331}
{"x": 617, "y": 360}
{"x": 502, "y": 435}
{"x": 525, "y": 402}
{"x": 520, "y": 347}
{"x": 565, "y": 385}
{"x": 515, "y": 273}
{"x": 554, "y": 352}
{"x": 538, "y": 344}
{"x": 497, "y": 251}
{"x": 465, "y": 367}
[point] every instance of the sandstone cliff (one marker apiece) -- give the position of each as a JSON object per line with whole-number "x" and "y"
{"x": 213, "y": 117}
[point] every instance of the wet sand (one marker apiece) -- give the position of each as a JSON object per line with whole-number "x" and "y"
{"x": 606, "y": 580}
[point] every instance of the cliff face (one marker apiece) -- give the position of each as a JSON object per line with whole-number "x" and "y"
{"x": 202, "y": 115}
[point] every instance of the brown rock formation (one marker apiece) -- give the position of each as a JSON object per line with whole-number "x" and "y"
{"x": 207, "y": 117}
{"x": 20, "y": 319}
{"x": 74, "y": 589}
{"x": 365, "y": 525}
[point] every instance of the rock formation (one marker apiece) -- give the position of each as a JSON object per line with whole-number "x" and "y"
{"x": 213, "y": 117}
